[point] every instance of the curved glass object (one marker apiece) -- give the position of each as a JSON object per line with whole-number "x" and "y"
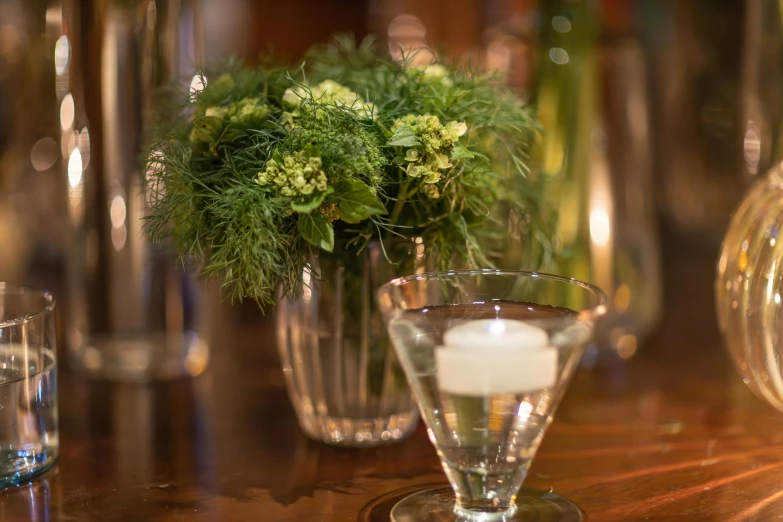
{"x": 28, "y": 384}
{"x": 488, "y": 355}
{"x": 749, "y": 285}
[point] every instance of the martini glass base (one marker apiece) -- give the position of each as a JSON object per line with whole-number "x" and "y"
{"x": 437, "y": 505}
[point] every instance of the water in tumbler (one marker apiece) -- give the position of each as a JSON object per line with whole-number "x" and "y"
{"x": 28, "y": 413}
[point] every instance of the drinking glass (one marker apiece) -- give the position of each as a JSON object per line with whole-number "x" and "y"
{"x": 28, "y": 384}
{"x": 488, "y": 355}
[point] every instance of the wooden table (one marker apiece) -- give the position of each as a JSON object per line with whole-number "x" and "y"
{"x": 672, "y": 435}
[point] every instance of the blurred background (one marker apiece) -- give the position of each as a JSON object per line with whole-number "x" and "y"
{"x": 656, "y": 116}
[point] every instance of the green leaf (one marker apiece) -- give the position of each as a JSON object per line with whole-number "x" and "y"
{"x": 356, "y": 202}
{"x": 404, "y": 137}
{"x": 317, "y": 230}
{"x": 308, "y": 203}
{"x": 460, "y": 153}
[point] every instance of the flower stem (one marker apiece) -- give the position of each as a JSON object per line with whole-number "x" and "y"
{"x": 400, "y": 203}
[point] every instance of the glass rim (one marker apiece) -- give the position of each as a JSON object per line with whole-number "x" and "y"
{"x": 596, "y": 291}
{"x": 48, "y": 299}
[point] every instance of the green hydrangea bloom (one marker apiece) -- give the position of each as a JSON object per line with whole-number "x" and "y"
{"x": 427, "y": 158}
{"x": 431, "y": 191}
{"x": 434, "y": 73}
{"x": 327, "y": 92}
{"x": 208, "y": 128}
{"x": 295, "y": 175}
{"x": 247, "y": 110}
{"x": 347, "y": 149}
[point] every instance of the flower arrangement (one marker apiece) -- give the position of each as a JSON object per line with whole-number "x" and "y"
{"x": 264, "y": 166}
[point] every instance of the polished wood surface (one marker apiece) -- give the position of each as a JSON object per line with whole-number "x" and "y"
{"x": 673, "y": 435}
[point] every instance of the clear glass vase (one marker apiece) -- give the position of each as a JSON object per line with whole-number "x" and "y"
{"x": 749, "y": 285}
{"x": 343, "y": 377}
{"x": 749, "y": 281}
{"x": 595, "y": 155}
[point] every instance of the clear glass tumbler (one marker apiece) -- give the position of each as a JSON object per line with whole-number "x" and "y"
{"x": 28, "y": 384}
{"x": 489, "y": 355}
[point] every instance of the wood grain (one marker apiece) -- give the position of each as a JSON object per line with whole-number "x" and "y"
{"x": 674, "y": 435}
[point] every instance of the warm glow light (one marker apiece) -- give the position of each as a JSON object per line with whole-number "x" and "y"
{"x": 43, "y": 155}
{"x": 83, "y": 142}
{"x": 152, "y": 15}
{"x": 67, "y": 112}
{"x": 68, "y": 143}
{"x": 54, "y": 16}
{"x": 600, "y": 228}
{"x": 75, "y": 191}
{"x": 75, "y": 168}
{"x": 10, "y": 39}
{"x": 117, "y": 211}
{"x": 558, "y": 55}
{"x": 406, "y": 33}
{"x": 561, "y": 24}
{"x": 62, "y": 55}
{"x": 118, "y": 237}
{"x": 626, "y": 346}
{"x": 498, "y": 56}
{"x": 622, "y": 298}
{"x": 307, "y": 292}
{"x": 751, "y": 146}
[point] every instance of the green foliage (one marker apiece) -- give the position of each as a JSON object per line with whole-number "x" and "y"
{"x": 317, "y": 230}
{"x": 348, "y": 147}
{"x": 264, "y": 164}
{"x": 356, "y": 201}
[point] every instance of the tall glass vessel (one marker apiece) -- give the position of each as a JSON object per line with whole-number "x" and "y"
{"x": 133, "y": 314}
{"x": 595, "y": 155}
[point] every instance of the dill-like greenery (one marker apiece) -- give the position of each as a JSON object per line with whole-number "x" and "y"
{"x": 233, "y": 171}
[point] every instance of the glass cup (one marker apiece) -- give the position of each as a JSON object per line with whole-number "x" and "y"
{"x": 28, "y": 384}
{"x": 488, "y": 355}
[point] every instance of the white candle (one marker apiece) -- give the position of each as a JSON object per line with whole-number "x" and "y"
{"x": 496, "y": 334}
{"x": 495, "y": 356}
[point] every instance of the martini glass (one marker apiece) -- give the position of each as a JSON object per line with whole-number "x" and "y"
{"x": 488, "y": 355}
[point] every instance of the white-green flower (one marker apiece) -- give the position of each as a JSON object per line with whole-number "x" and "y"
{"x": 457, "y": 129}
{"x": 428, "y": 153}
{"x": 328, "y": 92}
{"x": 217, "y": 112}
{"x": 247, "y": 110}
{"x": 298, "y": 175}
{"x": 434, "y": 73}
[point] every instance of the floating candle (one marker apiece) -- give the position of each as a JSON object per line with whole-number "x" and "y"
{"x": 495, "y": 356}
{"x": 496, "y": 334}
